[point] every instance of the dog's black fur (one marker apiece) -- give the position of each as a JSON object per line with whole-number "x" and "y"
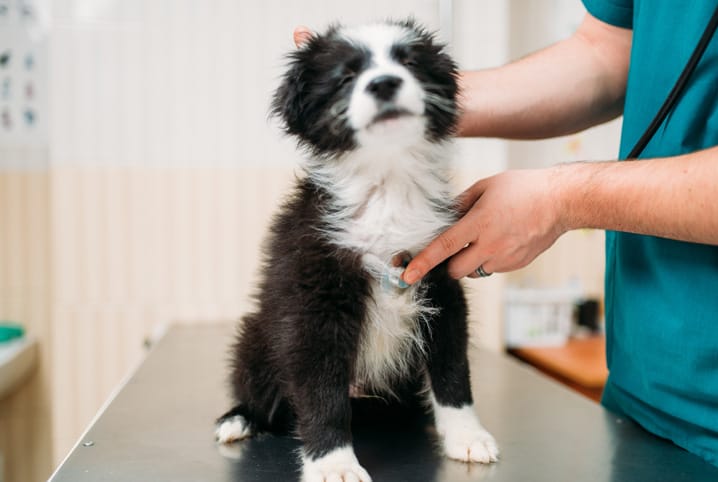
{"x": 294, "y": 358}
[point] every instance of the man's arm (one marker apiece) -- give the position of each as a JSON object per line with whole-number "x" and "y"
{"x": 514, "y": 216}
{"x": 673, "y": 197}
{"x": 567, "y": 87}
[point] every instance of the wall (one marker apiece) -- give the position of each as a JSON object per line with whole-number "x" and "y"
{"x": 160, "y": 175}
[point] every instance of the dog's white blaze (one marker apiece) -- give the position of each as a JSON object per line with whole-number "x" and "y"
{"x": 379, "y": 38}
{"x": 463, "y": 436}
{"x": 362, "y": 106}
{"x": 340, "y": 464}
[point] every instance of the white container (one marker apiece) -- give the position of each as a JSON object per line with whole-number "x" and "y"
{"x": 539, "y": 316}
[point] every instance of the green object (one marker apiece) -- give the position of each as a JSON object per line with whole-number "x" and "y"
{"x": 10, "y": 331}
{"x": 662, "y": 295}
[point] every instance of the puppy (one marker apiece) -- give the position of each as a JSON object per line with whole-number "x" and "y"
{"x": 373, "y": 107}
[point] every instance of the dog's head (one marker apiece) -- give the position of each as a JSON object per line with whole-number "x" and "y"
{"x": 379, "y": 84}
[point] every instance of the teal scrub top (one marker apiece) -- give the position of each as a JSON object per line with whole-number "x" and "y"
{"x": 662, "y": 295}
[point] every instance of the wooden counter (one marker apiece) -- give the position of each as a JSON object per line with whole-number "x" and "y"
{"x": 580, "y": 364}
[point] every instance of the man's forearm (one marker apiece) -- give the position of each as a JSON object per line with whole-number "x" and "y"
{"x": 675, "y": 197}
{"x": 565, "y": 88}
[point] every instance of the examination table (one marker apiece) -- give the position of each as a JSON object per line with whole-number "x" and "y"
{"x": 159, "y": 427}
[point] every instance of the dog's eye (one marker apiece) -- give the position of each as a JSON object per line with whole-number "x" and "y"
{"x": 408, "y": 61}
{"x": 404, "y": 55}
{"x": 349, "y": 72}
{"x": 347, "y": 77}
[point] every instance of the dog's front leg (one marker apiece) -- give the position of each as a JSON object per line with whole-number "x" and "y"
{"x": 463, "y": 436}
{"x": 324, "y": 426}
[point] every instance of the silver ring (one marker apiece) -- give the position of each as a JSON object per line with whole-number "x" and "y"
{"x": 480, "y": 271}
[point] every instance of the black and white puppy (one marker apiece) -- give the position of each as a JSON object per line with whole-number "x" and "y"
{"x": 374, "y": 107}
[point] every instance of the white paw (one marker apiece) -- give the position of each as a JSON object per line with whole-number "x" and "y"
{"x": 340, "y": 465}
{"x": 232, "y": 429}
{"x": 463, "y": 436}
{"x": 471, "y": 446}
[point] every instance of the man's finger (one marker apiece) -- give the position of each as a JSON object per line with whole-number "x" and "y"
{"x": 302, "y": 35}
{"x": 466, "y": 199}
{"x": 467, "y": 261}
{"x": 446, "y": 244}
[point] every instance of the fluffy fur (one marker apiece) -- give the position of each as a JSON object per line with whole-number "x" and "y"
{"x": 374, "y": 108}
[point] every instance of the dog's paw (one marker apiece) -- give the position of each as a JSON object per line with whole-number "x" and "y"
{"x": 463, "y": 436}
{"x": 232, "y": 429}
{"x": 340, "y": 465}
{"x": 475, "y": 445}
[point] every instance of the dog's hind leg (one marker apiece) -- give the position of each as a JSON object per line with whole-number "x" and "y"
{"x": 242, "y": 422}
{"x": 259, "y": 405}
{"x": 463, "y": 436}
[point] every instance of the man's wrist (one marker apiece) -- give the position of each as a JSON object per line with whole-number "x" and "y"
{"x": 574, "y": 192}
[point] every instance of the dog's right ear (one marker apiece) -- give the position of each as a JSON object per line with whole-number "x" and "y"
{"x": 293, "y": 99}
{"x": 302, "y": 99}
{"x": 290, "y": 99}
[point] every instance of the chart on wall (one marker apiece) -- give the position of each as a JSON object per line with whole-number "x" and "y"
{"x": 23, "y": 72}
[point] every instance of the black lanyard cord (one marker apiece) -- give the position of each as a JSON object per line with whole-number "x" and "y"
{"x": 677, "y": 89}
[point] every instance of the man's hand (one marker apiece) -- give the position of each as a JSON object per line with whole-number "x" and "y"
{"x": 508, "y": 220}
{"x": 513, "y": 217}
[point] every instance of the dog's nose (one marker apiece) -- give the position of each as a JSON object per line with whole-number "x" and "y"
{"x": 384, "y": 87}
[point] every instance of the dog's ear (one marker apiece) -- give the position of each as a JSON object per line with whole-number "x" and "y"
{"x": 307, "y": 91}
{"x": 292, "y": 97}
{"x": 295, "y": 98}
{"x": 287, "y": 103}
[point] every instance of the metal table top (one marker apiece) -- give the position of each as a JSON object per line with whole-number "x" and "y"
{"x": 159, "y": 427}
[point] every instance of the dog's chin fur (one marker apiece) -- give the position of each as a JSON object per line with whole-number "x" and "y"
{"x": 374, "y": 108}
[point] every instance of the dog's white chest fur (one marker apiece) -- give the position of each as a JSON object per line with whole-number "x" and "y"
{"x": 391, "y": 334}
{"x": 388, "y": 206}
